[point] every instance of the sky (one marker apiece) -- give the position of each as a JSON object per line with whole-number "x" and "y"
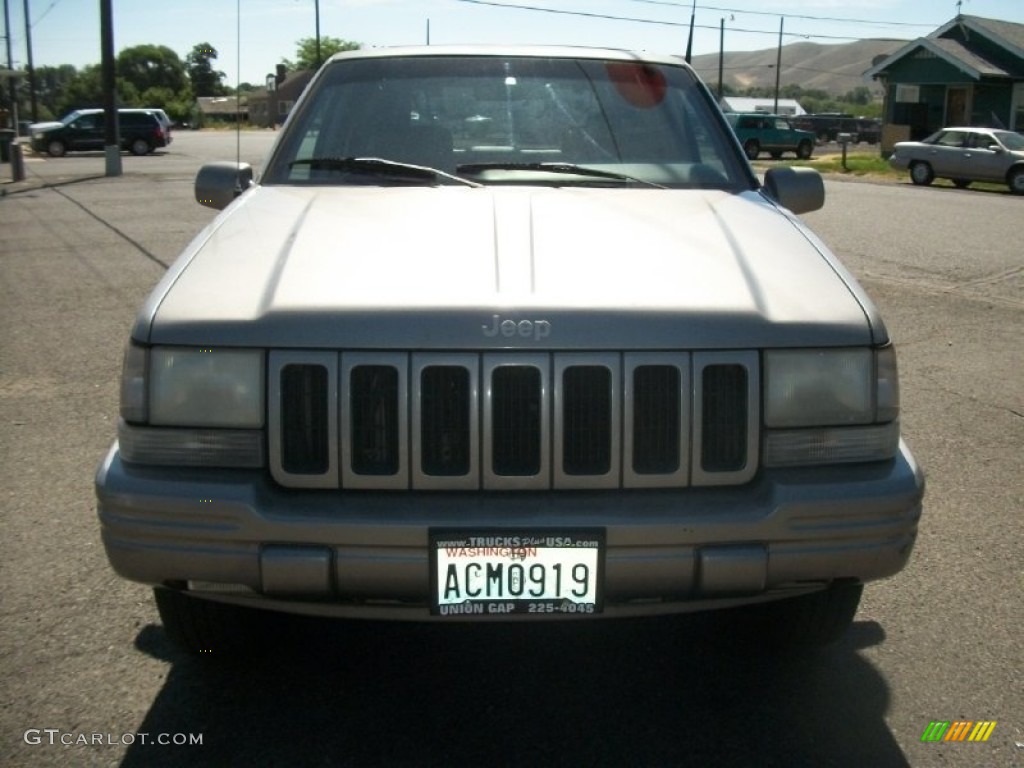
{"x": 250, "y": 42}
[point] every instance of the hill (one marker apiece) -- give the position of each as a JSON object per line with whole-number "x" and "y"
{"x": 836, "y": 69}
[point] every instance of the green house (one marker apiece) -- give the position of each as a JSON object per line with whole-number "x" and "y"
{"x": 970, "y": 71}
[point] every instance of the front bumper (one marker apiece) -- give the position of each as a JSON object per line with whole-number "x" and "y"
{"x": 241, "y": 538}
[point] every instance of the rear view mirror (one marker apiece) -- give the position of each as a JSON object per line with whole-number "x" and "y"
{"x": 218, "y": 184}
{"x": 801, "y": 190}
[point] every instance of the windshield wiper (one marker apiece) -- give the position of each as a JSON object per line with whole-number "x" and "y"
{"x": 379, "y": 166}
{"x": 566, "y": 168}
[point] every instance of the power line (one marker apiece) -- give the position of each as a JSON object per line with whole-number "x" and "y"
{"x": 788, "y": 15}
{"x": 591, "y": 15}
{"x": 49, "y": 8}
{"x": 577, "y": 13}
{"x": 702, "y": 70}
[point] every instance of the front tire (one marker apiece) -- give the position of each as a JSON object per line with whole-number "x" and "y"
{"x": 207, "y": 628}
{"x": 921, "y": 173}
{"x": 807, "y": 621}
{"x": 804, "y": 150}
{"x": 1015, "y": 180}
{"x": 56, "y": 148}
{"x": 752, "y": 149}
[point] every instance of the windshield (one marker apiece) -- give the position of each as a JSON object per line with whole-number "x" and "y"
{"x": 508, "y": 120}
{"x": 1011, "y": 140}
{"x": 71, "y": 116}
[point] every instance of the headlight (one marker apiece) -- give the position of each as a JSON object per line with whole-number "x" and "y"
{"x": 818, "y": 387}
{"x": 205, "y": 387}
{"x": 830, "y": 406}
{"x": 134, "y": 396}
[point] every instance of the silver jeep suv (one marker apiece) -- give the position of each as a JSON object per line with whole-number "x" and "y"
{"x": 507, "y": 334}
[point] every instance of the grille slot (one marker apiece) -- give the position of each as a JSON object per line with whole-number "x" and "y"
{"x": 444, "y": 425}
{"x": 373, "y": 405}
{"x": 587, "y": 447}
{"x": 724, "y": 420}
{"x": 516, "y": 407}
{"x": 302, "y": 425}
{"x": 586, "y": 420}
{"x": 727, "y": 399}
{"x": 656, "y": 419}
{"x": 304, "y": 433}
{"x": 445, "y": 420}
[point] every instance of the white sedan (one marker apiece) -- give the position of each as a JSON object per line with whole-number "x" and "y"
{"x": 964, "y": 155}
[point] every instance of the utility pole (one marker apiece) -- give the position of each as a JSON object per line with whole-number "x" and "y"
{"x": 721, "y": 55}
{"x": 689, "y": 40}
{"x": 111, "y": 139}
{"x": 778, "y": 67}
{"x": 31, "y": 69}
{"x": 12, "y": 81}
{"x": 319, "y": 60}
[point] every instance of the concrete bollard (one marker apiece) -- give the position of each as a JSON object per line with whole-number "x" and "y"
{"x": 17, "y": 162}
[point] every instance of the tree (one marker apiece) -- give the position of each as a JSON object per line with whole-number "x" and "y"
{"x": 860, "y": 95}
{"x": 305, "y": 51}
{"x": 152, "y": 66}
{"x": 205, "y": 80}
{"x": 50, "y": 85}
{"x": 85, "y": 90}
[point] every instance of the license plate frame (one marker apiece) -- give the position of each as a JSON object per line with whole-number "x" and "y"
{"x": 557, "y": 572}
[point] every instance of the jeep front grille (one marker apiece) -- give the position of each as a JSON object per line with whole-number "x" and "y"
{"x": 513, "y": 420}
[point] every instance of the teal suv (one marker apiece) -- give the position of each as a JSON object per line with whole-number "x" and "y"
{"x": 773, "y": 134}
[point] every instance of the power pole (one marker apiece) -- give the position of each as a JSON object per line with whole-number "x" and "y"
{"x": 12, "y": 81}
{"x": 31, "y": 69}
{"x": 721, "y": 55}
{"x": 689, "y": 40}
{"x": 111, "y": 139}
{"x": 778, "y": 67}
{"x": 319, "y": 60}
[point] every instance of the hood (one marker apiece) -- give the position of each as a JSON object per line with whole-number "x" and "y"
{"x": 505, "y": 267}
{"x": 47, "y": 126}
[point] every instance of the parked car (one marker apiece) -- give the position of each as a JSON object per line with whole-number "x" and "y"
{"x": 829, "y": 126}
{"x": 868, "y": 130}
{"x": 774, "y": 134}
{"x": 84, "y": 130}
{"x": 507, "y": 333}
{"x": 964, "y": 155}
{"x": 160, "y": 115}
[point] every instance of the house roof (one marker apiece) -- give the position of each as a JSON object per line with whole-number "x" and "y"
{"x": 751, "y": 104}
{"x": 218, "y": 105}
{"x": 1008, "y": 34}
{"x": 962, "y": 55}
{"x": 294, "y": 83}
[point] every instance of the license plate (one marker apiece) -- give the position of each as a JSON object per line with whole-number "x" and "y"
{"x": 504, "y": 572}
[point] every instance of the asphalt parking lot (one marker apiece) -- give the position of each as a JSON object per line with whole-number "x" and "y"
{"x": 82, "y": 651}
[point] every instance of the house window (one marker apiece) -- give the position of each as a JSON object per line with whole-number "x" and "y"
{"x": 910, "y": 94}
{"x": 1017, "y": 108}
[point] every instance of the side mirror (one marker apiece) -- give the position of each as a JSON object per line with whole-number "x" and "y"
{"x": 218, "y": 184}
{"x": 995, "y": 148}
{"x": 801, "y": 190}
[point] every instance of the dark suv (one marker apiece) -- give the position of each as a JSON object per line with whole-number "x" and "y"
{"x": 83, "y": 130}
